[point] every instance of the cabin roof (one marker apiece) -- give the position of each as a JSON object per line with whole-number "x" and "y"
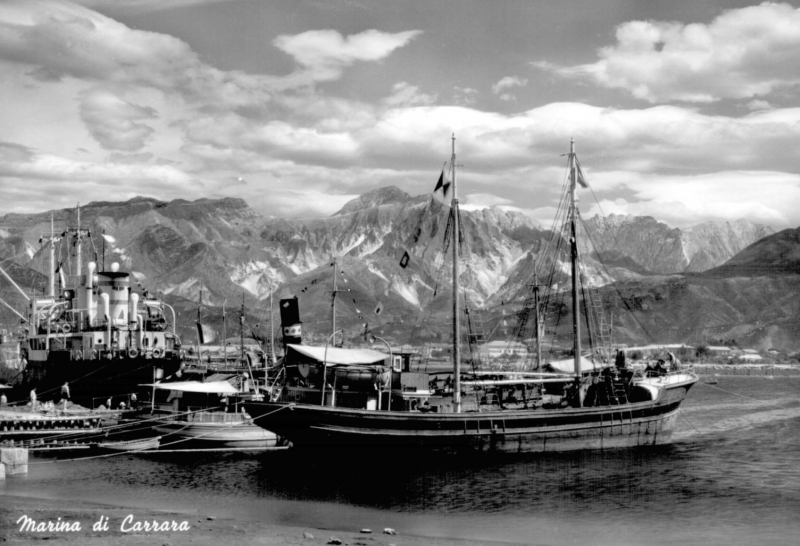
{"x": 337, "y": 355}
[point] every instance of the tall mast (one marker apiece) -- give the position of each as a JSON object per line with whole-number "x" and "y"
{"x": 271, "y": 330}
{"x": 241, "y": 325}
{"x": 78, "y": 234}
{"x": 573, "y": 217}
{"x": 456, "y": 303}
{"x": 199, "y": 307}
{"x": 52, "y": 240}
{"x": 224, "y": 334}
{"x": 333, "y": 301}
{"x": 537, "y": 320}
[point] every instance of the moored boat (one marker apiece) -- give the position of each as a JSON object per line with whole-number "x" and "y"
{"x": 208, "y": 414}
{"x": 141, "y": 444}
{"x": 95, "y": 336}
{"x": 594, "y": 406}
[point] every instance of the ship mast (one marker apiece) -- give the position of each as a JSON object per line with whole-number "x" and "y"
{"x": 333, "y": 302}
{"x": 573, "y": 219}
{"x": 456, "y": 303}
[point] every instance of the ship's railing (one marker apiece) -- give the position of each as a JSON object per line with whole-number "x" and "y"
{"x": 200, "y": 416}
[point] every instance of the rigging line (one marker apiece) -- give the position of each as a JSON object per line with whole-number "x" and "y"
{"x": 615, "y": 286}
{"x": 688, "y": 421}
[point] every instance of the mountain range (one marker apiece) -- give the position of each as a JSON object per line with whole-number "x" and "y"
{"x": 239, "y": 257}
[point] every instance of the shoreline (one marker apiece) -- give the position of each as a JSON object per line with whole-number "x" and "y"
{"x": 100, "y": 524}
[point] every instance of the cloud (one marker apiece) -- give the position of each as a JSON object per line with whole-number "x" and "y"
{"x": 475, "y": 201}
{"x": 760, "y": 196}
{"x": 759, "y": 105}
{"x": 465, "y": 96}
{"x": 140, "y": 6}
{"x": 743, "y": 53}
{"x": 509, "y": 82}
{"x": 150, "y": 117}
{"x": 408, "y": 95}
{"x": 325, "y": 53}
{"x": 114, "y": 122}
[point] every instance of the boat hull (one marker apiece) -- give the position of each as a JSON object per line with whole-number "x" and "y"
{"x": 518, "y": 431}
{"x": 92, "y": 381}
{"x": 215, "y": 435}
{"x": 144, "y": 444}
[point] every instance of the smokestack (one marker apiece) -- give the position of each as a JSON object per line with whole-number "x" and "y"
{"x": 290, "y": 322}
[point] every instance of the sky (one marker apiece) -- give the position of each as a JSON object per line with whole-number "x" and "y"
{"x": 684, "y": 110}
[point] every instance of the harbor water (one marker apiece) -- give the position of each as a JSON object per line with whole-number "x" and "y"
{"x": 731, "y": 476}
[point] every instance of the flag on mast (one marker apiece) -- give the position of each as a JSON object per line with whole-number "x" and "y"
{"x": 205, "y": 333}
{"x": 442, "y": 184}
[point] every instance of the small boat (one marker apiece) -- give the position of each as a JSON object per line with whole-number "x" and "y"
{"x": 208, "y": 414}
{"x": 141, "y": 444}
{"x": 590, "y": 406}
{"x": 711, "y": 381}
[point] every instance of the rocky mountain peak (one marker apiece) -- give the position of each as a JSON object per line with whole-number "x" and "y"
{"x": 374, "y": 198}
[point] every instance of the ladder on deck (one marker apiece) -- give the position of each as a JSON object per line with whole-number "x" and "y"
{"x": 604, "y": 324}
{"x": 476, "y": 333}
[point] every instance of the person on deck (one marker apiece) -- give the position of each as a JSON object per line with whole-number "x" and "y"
{"x": 620, "y": 360}
{"x": 65, "y": 391}
{"x": 33, "y": 399}
{"x": 674, "y": 363}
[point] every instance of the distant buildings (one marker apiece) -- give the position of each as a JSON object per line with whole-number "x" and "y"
{"x": 503, "y": 349}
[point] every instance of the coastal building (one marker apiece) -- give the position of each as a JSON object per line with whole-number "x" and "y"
{"x": 503, "y": 349}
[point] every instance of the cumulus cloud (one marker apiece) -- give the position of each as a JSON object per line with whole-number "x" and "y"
{"x": 114, "y": 122}
{"x": 152, "y": 118}
{"x": 475, "y": 201}
{"x": 325, "y": 53}
{"x": 502, "y": 87}
{"x": 408, "y": 95}
{"x": 761, "y": 196}
{"x": 138, "y": 6}
{"x": 465, "y": 96}
{"x": 742, "y": 53}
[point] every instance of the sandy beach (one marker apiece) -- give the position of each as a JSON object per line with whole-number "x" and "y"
{"x": 20, "y": 516}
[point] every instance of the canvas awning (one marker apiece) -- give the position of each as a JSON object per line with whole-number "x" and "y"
{"x": 568, "y": 365}
{"x": 335, "y": 356}
{"x": 211, "y": 387}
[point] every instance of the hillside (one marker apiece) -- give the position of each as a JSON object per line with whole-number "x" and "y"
{"x": 232, "y": 252}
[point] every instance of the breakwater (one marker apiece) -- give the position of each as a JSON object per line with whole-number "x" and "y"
{"x": 767, "y": 370}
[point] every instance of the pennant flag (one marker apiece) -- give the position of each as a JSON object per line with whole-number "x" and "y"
{"x": 404, "y": 260}
{"x": 205, "y": 334}
{"x": 581, "y": 179}
{"x": 440, "y": 182}
{"x": 109, "y": 238}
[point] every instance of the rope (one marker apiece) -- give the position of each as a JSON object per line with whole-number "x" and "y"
{"x": 687, "y": 420}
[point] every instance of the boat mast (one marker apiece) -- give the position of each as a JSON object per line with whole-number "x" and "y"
{"x": 333, "y": 302}
{"x": 271, "y": 330}
{"x": 52, "y": 240}
{"x": 241, "y": 331}
{"x": 78, "y": 235}
{"x": 573, "y": 217}
{"x": 537, "y": 320}
{"x": 456, "y": 303}
{"x": 224, "y": 334}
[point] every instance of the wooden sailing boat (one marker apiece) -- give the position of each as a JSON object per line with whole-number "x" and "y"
{"x": 633, "y": 411}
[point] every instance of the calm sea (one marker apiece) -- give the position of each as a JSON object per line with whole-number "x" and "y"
{"x": 732, "y": 476}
